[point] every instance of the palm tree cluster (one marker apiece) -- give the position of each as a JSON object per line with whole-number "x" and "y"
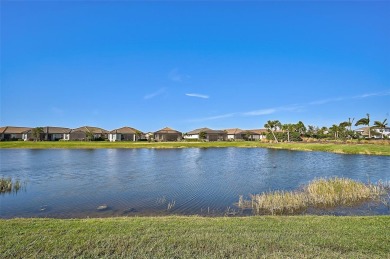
{"x": 343, "y": 130}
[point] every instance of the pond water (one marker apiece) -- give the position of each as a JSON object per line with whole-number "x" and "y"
{"x": 69, "y": 183}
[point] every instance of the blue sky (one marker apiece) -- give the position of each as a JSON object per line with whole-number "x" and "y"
{"x": 190, "y": 65}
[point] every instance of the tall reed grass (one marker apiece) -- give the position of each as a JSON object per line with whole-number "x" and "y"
{"x": 318, "y": 193}
{"x": 7, "y": 185}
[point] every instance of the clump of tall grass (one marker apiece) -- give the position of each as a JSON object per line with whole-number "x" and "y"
{"x": 318, "y": 193}
{"x": 7, "y": 185}
{"x": 341, "y": 191}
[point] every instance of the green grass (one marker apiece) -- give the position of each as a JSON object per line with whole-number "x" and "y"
{"x": 351, "y": 148}
{"x": 321, "y": 192}
{"x": 197, "y": 237}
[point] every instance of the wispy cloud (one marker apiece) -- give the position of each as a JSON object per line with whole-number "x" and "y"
{"x": 259, "y": 112}
{"x": 176, "y": 76}
{"x": 199, "y": 95}
{"x": 289, "y": 108}
{"x": 154, "y": 94}
{"x": 213, "y": 117}
{"x": 339, "y": 99}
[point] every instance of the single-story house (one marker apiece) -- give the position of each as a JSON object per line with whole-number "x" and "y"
{"x": 254, "y": 134}
{"x": 167, "y": 134}
{"x": 375, "y": 132}
{"x": 48, "y": 133}
{"x": 125, "y": 134}
{"x": 12, "y": 133}
{"x": 208, "y": 134}
{"x": 87, "y": 133}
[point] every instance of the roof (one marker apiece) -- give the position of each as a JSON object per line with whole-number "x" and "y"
{"x": 95, "y": 130}
{"x": 258, "y": 131}
{"x": 125, "y": 130}
{"x": 167, "y": 130}
{"x": 13, "y": 130}
{"x": 53, "y": 130}
{"x": 233, "y": 131}
{"x": 207, "y": 130}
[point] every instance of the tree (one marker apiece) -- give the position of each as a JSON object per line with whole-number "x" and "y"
{"x": 289, "y": 128}
{"x": 381, "y": 125}
{"x": 202, "y": 135}
{"x": 89, "y": 135}
{"x": 300, "y": 127}
{"x": 350, "y": 122}
{"x": 273, "y": 125}
{"x": 335, "y": 130}
{"x": 36, "y": 133}
{"x": 365, "y": 121}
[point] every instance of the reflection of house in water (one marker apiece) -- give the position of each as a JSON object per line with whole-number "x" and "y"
{"x": 167, "y": 134}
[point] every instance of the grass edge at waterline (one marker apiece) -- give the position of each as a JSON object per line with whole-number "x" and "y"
{"x": 194, "y": 237}
{"x": 342, "y": 148}
{"x": 321, "y": 192}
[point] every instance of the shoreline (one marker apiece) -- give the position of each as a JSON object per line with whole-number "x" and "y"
{"x": 382, "y": 149}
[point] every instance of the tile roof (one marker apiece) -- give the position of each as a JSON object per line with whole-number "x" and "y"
{"x": 13, "y": 130}
{"x": 167, "y": 130}
{"x": 95, "y": 130}
{"x": 126, "y": 130}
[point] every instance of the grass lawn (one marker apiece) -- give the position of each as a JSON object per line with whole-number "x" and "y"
{"x": 351, "y": 148}
{"x": 168, "y": 237}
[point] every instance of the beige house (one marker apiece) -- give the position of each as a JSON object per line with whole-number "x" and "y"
{"x": 49, "y": 133}
{"x": 84, "y": 132}
{"x": 167, "y": 134}
{"x": 12, "y": 133}
{"x": 209, "y": 134}
{"x": 239, "y": 134}
{"x": 125, "y": 134}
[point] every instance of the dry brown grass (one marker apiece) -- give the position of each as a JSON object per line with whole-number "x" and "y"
{"x": 318, "y": 193}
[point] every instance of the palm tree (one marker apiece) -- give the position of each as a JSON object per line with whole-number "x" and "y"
{"x": 271, "y": 126}
{"x": 365, "y": 121}
{"x": 381, "y": 125}
{"x": 335, "y": 130}
{"x": 300, "y": 127}
{"x": 288, "y": 127}
{"x": 350, "y": 122}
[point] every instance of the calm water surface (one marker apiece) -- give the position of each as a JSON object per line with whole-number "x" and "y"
{"x": 69, "y": 183}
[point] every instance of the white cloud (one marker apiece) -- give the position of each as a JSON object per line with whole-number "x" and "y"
{"x": 339, "y": 99}
{"x": 176, "y": 76}
{"x": 154, "y": 94}
{"x": 213, "y": 117}
{"x": 290, "y": 108}
{"x": 260, "y": 112}
{"x": 199, "y": 95}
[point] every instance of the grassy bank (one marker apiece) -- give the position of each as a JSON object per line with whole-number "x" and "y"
{"x": 250, "y": 237}
{"x": 350, "y": 148}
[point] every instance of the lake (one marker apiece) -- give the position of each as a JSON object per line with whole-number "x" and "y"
{"x": 73, "y": 183}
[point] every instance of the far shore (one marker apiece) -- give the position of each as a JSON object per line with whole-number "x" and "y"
{"x": 369, "y": 148}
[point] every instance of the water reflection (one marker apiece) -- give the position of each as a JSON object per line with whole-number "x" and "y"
{"x": 74, "y": 183}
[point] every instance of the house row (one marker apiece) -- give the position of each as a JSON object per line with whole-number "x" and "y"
{"x": 127, "y": 134}
{"x": 375, "y": 132}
